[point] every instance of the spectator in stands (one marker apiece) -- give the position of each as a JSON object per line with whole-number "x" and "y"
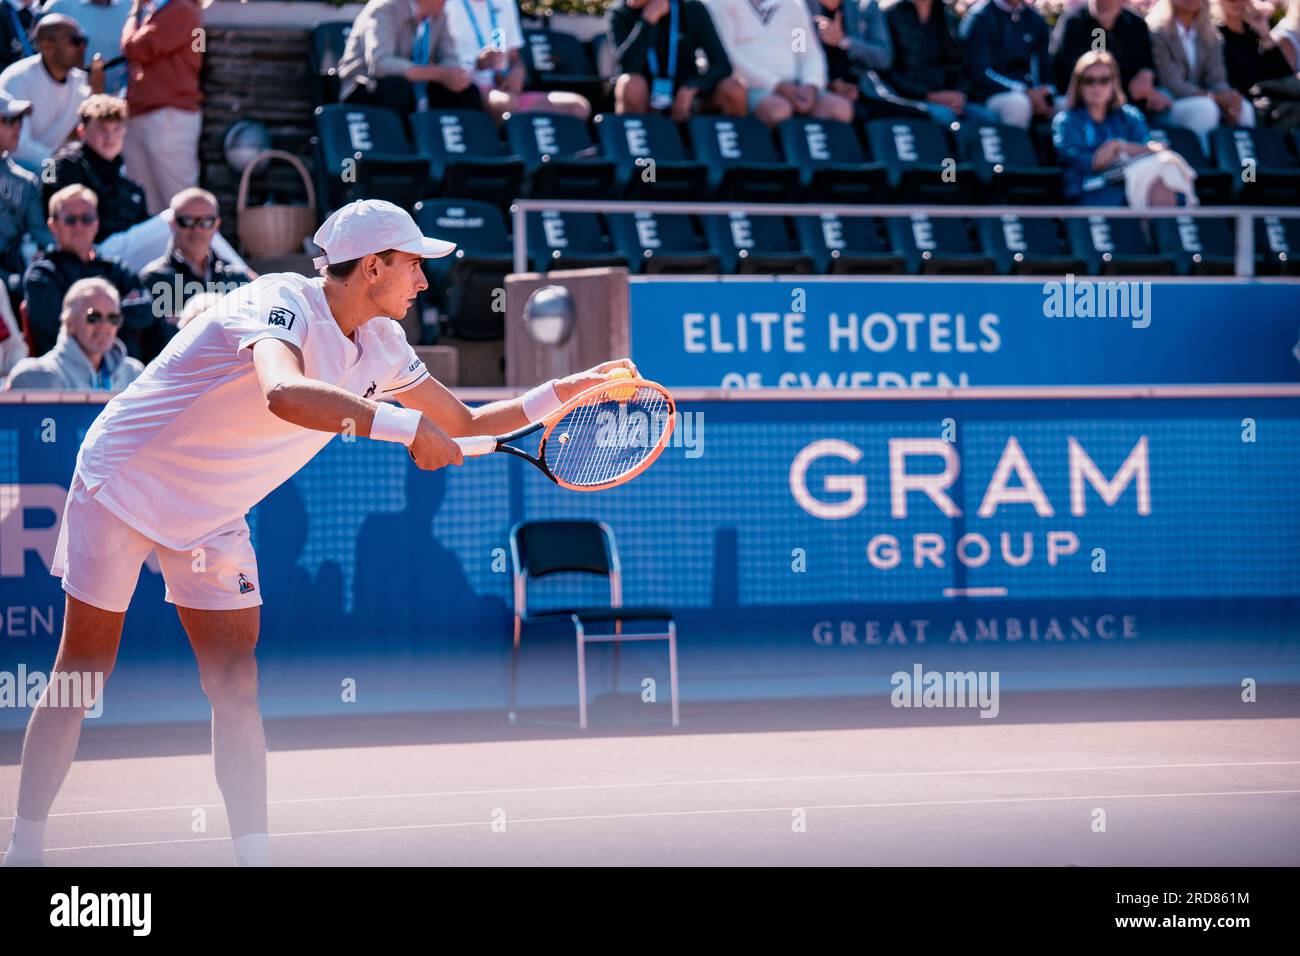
{"x": 16, "y": 22}
{"x": 1283, "y": 93}
{"x": 645, "y": 34}
{"x": 390, "y": 61}
{"x": 190, "y": 268}
{"x": 1189, "y": 64}
{"x": 1124, "y": 35}
{"x": 1008, "y": 60}
{"x": 783, "y": 77}
{"x": 484, "y": 36}
{"x": 22, "y": 230}
{"x": 102, "y": 22}
{"x": 855, "y": 39}
{"x": 95, "y": 160}
{"x": 925, "y": 77}
{"x": 162, "y": 136}
{"x": 1099, "y": 138}
{"x": 1250, "y": 54}
{"x": 73, "y": 220}
{"x": 1287, "y": 34}
{"x": 88, "y": 353}
{"x": 53, "y": 81}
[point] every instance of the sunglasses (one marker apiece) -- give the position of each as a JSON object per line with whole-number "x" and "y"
{"x": 78, "y": 40}
{"x": 1094, "y": 80}
{"x": 192, "y": 222}
{"x": 94, "y": 317}
{"x": 85, "y": 219}
{"x": 11, "y": 120}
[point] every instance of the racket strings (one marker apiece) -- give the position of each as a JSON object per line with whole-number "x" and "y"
{"x": 603, "y": 439}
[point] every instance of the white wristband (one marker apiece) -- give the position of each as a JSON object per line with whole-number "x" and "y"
{"x": 394, "y": 424}
{"x": 541, "y": 401}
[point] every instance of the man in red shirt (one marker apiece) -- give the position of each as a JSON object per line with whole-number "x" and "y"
{"x": 163, "y": 43}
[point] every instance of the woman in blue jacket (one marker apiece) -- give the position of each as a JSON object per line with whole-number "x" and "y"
{"x": 1098, "y": 134}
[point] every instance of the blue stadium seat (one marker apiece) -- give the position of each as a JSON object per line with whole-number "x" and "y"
{"x": 1202, "y": 247}
{"x": 938, "y": 246}
{"x": 631, "y": 140}
{"x": 466, "y": 156}
{"x": 847, "y": 245}
{"x": 1214, "y": 186}
{"x": 371, "y": 143}
{"x": 1277, "y": 246}
{"x": 743, "y": 164}
{"x": 656, "y": 243}
{"x": 569, "y": 240}
{"x": 559, "y": 157}
{"x": 1027, "y": 246}
{"x": 755, "y": 245}
{"x": 1116, "y": 247}
{"x": 1266, "y": 173}
{"x": 557, "y": 61}
{"x": 328, "y": 40}
{"x": 1004, "y": 159}
{"x": 832, "y": 166}
{"x": 464, "y": 285}
{"x": 920, "y": 162}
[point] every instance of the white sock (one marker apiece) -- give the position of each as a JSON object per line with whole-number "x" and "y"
{"x": 27, "y": 842}
{"x": 253, "y": 849}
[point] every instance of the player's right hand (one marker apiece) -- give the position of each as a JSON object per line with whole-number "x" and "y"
{"x": 433, "y": 448}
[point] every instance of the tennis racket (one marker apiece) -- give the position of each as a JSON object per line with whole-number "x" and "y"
{"x": 599, "y": 439}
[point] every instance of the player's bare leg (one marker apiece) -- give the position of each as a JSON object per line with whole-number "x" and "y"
{"x": 224, "y": 643}
{"x": 88, "y": 646}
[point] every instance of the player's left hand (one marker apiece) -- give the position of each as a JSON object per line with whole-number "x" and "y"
{"x": 571, "y": 385}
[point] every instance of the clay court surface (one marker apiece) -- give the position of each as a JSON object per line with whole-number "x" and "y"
{"x": 1187, "y": 777}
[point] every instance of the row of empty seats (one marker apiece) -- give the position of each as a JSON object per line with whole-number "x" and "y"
{"x": 463, "y": 284}
{"x": 364, "y": 152}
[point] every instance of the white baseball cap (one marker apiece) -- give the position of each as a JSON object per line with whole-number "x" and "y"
{"x": 373, "y": 225}
{"x": 10, "y": 108}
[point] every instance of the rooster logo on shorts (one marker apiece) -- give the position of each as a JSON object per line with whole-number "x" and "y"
{"x": 245, "y": 585}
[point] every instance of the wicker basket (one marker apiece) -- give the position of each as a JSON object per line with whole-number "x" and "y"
{"x": 274, "y": 230}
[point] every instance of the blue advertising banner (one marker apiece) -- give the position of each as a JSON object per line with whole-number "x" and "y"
{"x": 807, "y": 547}
{"x": 901, "y": 333}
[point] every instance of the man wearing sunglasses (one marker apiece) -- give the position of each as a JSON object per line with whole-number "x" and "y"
{"x": 53, "y": 81}
{"x": 190, "y": 266}
{"x": 74, "y": 218}
{"x": 88, "y": 354}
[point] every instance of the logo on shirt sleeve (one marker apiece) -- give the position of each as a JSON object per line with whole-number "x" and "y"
{"x": 414, "y": 365}
{"x": 281, "y": 317}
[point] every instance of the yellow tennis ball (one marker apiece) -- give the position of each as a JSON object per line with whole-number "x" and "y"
{"x": 622, "y": 394}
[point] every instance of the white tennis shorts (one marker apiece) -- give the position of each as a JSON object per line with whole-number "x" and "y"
{"x": 98, "y": 556}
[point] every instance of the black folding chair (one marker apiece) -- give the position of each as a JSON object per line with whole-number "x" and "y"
{"x": 542, "y": 548}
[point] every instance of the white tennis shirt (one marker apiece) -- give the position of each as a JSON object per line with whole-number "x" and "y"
{"x": 190, "y": 446}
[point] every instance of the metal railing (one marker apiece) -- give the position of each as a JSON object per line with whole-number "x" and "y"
{"x": 1245, "y": 216}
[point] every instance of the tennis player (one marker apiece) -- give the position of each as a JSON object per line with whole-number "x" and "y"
{"x": 238, "y": 401}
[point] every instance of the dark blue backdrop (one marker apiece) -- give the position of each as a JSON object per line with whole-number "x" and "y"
{"x": 397, "y": 579}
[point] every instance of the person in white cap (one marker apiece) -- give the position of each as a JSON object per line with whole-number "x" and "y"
{"x": 23, "y": 230}
{"x": 238, "y": 401}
